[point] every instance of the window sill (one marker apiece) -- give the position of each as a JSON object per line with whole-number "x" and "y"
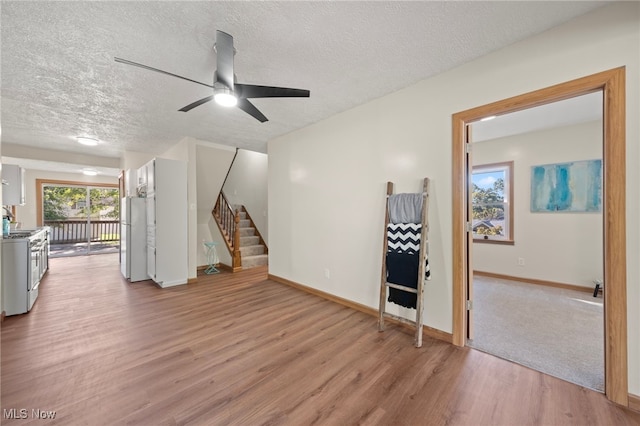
{"x": 488, "y": 241}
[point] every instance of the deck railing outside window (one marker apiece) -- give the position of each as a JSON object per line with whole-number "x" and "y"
{"x": 81, "y": 231}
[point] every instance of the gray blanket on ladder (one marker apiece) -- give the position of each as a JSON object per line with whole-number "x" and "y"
{"x": 405, "y": 208}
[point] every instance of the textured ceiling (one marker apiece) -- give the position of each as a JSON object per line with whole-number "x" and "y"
{"x": 59, "y": 79}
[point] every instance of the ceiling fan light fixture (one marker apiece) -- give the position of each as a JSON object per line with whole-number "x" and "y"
{"x": 87, "y": 141}
{"x": 226, "y": 91}
{"x": 225, "y": 97}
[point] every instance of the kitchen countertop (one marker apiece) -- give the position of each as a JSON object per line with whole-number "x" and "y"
{"x": 24, "y": 233}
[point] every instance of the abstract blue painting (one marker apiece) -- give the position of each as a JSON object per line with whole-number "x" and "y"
{"x": 567, "y": 187}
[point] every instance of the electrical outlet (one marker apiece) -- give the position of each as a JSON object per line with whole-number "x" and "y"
{"x": 327, "y": 273}
{"x": 521, "y": 261}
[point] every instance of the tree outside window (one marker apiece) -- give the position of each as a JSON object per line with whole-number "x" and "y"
{"x": 492, "y": 207}
{"x": 70, "y": 203}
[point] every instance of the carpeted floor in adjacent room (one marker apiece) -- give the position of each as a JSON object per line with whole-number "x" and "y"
{"x": 558, "y": 332}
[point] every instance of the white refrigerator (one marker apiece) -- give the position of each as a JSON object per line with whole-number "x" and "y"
{"x": 133, "y": 239}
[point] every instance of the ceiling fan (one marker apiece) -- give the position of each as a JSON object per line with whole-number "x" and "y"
{"x": 226, "y": 91}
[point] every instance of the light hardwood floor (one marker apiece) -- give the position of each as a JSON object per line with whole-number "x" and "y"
{"x": 240, "y": 349}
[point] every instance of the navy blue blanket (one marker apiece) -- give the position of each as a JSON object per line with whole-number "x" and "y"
{"x": 402, "y": 269}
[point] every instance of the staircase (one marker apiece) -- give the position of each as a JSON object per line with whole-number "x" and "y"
{"x": 253, "y": 251}
{"x": 242, "y": 238}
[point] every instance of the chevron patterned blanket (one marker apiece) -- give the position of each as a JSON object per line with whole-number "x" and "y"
{"x": 405, "y": 238}
{"x": 403, "y": 250}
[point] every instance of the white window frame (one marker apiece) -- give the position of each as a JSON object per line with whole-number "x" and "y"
{"x": 507, "y": 169}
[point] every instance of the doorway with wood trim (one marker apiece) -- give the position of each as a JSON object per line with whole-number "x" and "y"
{"x": 612, "y": 84}
{"x": 538, "y": 252}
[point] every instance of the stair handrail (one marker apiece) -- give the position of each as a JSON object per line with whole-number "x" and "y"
{"x": 233, "y": 160}
{"x": 228, "y": 222}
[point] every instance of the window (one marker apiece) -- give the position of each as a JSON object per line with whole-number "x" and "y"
{"x": 83, "y": 217}
{"x": 492, "y": 203}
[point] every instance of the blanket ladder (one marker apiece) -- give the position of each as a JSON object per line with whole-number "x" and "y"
{"x": 419, "y": 291}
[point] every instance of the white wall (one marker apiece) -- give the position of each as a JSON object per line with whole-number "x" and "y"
{"x": 185, "y": 151}
{"x": 1, "y": 286}
{"x": 559, "y": 247}
{"x": 327, "y": 181}
{"x": 207, "y": 164}
{"x": 27, "y": 214}
{"x": 212, "y": 164}
{"x": 134, "y": 160}
{"x": 247, "y": 185}
{"x": 36, "y": 153}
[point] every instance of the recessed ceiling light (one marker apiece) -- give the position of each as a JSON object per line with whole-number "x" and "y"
{"x": 88, "y": 141}
{"x": 89, "y": 172}
{"x": 491, "y": 117}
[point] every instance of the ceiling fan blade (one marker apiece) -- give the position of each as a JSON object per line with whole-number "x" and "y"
{"x": 146, "y": 67}
{"x": 224, "y": 57}
{"x": 196, "y": 103}
{"x": 250, "y": 109}
{"x": 253, "y": 91}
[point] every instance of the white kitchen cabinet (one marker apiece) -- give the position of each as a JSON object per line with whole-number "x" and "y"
{"x": 151, "y": 174}
{"x": 141, "y": 175}
{"x": 13, "y": 193}
{"x": 130, "y": 183}
{"x": 167, "y": 227}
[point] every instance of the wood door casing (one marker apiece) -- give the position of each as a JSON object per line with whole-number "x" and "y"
{"x": 469, "y": 169}
{"x": 612, "y": 84}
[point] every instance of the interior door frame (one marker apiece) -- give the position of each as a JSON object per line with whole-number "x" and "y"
{"x": 612, "y": 84}
{"x": 469, "y": 243}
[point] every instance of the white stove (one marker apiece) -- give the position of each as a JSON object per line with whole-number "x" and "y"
{"x": 25, "y": 259}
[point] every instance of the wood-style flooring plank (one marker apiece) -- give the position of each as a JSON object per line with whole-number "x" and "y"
{"x": 238, "y": 349}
